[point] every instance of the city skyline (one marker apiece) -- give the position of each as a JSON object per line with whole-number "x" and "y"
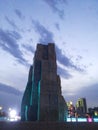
{"x": 71, "y": 25}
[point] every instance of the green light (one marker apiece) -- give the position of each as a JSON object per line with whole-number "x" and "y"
{"x": 96, "y": 113}
{"x": 38, "y": 100}
{"x": 26, "y": 110}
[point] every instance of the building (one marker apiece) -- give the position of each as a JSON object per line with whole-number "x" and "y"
{"x": 93, "y": 112}
{"x": 71, "y": 109}
{"x": 81, "y": 107}
{"x": 42, "y": 99}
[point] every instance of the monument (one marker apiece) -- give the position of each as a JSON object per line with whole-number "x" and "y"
{"x": 42, "y": 99}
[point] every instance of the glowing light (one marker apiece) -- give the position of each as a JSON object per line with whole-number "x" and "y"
{"x": 12, "y": 114}
{"x": 0, "y": 108}
{"x": 10, "y": 109}
{"x": 82, "y": 119}
{"x": 95, "y": 119}
{"x": 73, "y": 119}
{"x": 71, "y": 103}
{"x": 89, "y": 119}
{"x": 96, "y": 113}
{"x": 68, "y": 119}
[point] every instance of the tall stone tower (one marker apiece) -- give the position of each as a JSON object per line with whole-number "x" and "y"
{"x": 42, "y": 99}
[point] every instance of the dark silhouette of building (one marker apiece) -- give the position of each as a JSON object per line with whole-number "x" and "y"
{"x": 42, "y": 99}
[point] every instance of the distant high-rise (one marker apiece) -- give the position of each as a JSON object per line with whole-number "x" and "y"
{"x": 81, "y": 106}
{"x": 42, "y": 99}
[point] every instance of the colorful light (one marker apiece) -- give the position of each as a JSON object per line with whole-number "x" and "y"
{"x": 96, "y": 113}
{"x": 82, "y": 119}
{"x": 95, "y": 119}
{"x": 90, "y": 120}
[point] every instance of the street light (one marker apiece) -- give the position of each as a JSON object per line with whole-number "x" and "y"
{"x": 0, "y": 108}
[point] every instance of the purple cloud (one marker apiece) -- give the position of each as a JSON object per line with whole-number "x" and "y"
{"x": 11, "y": 22}
{"x": 19, "y": 14}
{"x": 54, "y": 4}
{"x": 57, "y": 26}
{"x": 46, "y": 37}
{"x": 8, "y": 42}
{"x": 29, "y": 48}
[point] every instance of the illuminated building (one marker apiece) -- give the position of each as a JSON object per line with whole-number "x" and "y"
{"x": 42, "y": 99}
{"x": 93, "y": 112}
{"x": 81, "y": 107}
{"x": 0, "y": 111}
{"x": 71, "y": 109}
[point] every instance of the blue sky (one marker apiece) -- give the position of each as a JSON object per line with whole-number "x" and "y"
{"x": 71, "y": 24}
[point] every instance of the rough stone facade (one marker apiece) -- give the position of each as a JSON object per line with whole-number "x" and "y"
{"x": 42, "y": 100}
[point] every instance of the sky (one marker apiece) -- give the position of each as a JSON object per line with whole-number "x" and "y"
{"x": 71, "y": 24}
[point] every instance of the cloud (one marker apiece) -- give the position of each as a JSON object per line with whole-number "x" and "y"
{"x": 46, "y": 37}
{"x": 64, "y": 73}
{"x": 29, "y": 48}
{"x": 9, "y": 100}
{"x": 14, "y": 34}
{"x": 10, "y": 97}
{"x": 56, "y": 6}
{"x": 90, "y": 91}
{"x": 65, "y": 60}
{"x": 12, "y": 23}
{"x": 8, "y": 42}
{"x": 91, "y": 94}
{"x": 8, "y": 89}
{"x": 57, "y": 26}
{"x": 19, "y": 14}
{"x": 79, "y": 58}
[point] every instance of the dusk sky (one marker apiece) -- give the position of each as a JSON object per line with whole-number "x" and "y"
{"x": 71, "y": 24}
